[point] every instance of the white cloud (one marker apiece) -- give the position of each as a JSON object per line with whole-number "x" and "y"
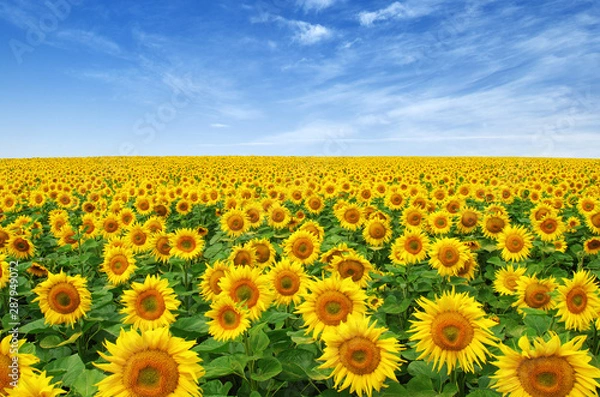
{"x": 89, "y": 39}
{"x": 396, "y": 10}
{"x": 308, "y": 34}
{"x": 315, "y": 4}
{"x": 219, "y": 125}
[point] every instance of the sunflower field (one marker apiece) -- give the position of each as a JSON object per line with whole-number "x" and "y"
{"x": 273, "y": 276}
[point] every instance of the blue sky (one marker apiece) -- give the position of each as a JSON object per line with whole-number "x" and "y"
{"x": 299, "y": 77}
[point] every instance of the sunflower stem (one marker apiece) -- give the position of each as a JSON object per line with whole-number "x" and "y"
{"x": 186, "y": 283}
{"x": 248, "y": 348}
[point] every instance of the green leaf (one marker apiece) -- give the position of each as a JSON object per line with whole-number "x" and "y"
{"x": 70, "y": 366}
{"x": 34, "y": 327}
{"x": 50, "y": 341}
{"x": 483, "y": 393}
{"x": 258, "y": 339}
{"x": 225, "y": 365}
{"x": 267, "y": 368}
{"x": 420, "y": 384}
{"x": 192, "y": 327}
{"x": 211, "y": 345}
{"x": 417, "y": 368}
{"x": 84, "y": 384}
{"x": 539, "y": 322}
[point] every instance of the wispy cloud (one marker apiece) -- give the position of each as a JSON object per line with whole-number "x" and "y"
{"x": 89, "y": 39}
{"x": 304, "y": 33}
{"x": 396, "y": 10}
{"x": 219, "y": 125}
{"x": 315, "y": 4}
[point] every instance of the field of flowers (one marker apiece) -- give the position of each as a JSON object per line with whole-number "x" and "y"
{"x": 270, "y": 276}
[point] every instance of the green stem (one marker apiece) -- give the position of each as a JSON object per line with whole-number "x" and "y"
{"x": 253, "y": 383}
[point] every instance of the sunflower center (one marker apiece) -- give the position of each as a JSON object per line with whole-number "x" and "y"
{"x": 510, "y": 282}
{"x": 186, "y": 244}
{"x": 549, "y": 226}
{"x": 288, "y": 283}
{"x": 377, "y": 230}
{"x": 111, "y": 226}
{"x": 262, "y": 253}
{"x": 139, "y": 238}
{"x": 314, "y": 203}
{"x": 360, "y": 355}
{"x": 243, "y": 258}
{"x": 537, "y": 295}
{"x": 213, "y": 281}
{"x": 119, "y": 264}
{"x": 449, "y": 256}
{"x": 21, "y": 245}
{"x": 595, "y": 219}
{"x": 451, "y": 331}
{"x": 495, "y": 225}
{"x": 396, "y": 199}
{"x": 253, "y": 215}
{"x": 546, "y": 376}
{"x": 278, "y": 215}
{"x": 150, "y": 305}
{"x": 514, "y": 243}
{"x": 441, "y": 223}
{"x": 235, "y": 223}
{"x": 245, "y": 291}
{"x": 302, "y": 248}
{"x": 594, "y": 244}
{"x": 333, "y": 307}
{"x": 229, "y": 319}
{"x": 151, "y": 373}
{"x": 63, "y": 298}
{"x": 577, "y": 300}
{"x": 413, "y": 245}
{"x": 162, "y": 245}
{"x": 414, "y": 219}
{"x": 352, "y": 215}
{"x": 5, "y": 370}
{"x": 351, "y": 268}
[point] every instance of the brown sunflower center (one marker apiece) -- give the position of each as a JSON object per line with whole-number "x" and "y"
{"x": 577, "y": 300}
{"x": 414, "y": 219}
{"x": 514, "y": 243}
{"x": 150, "y": 305}
{"x": 495, "y": 225}
{"x": 229, "y": 318}
{"x": 351, "y": 268}
{"x": 550, "y": 376}
{"x": 549, "y": 226}
{"x": 213, "y": 281}
{"x": 278, "y": 215}
{"x": 21, "y": 245}
{"x": 377, "y": 230}
{"x": 245, "y": 291}
{"x": 186, "y": 243}
{"x": 144, "y": 205}
{"x": 235, "y": 223}
{"x": 537, "y": 295}
{"x": 593, "y": 244}
{"x": 287, "y": 283}
{"x": 396, "y": 199}
{"x": 160, "y": 209}
{"x": 63, "y": 298}
{"x": 151, "y": 373}
{"x": 314, "y": 203}
{"x": 118, "y": 264}
{"x": 441, "y": 222}
{"x": 413, "y": 245}
{"x": 302, "y": 248}
{"x": 451, "y": 331}
{"x": 469, "y": 219}
{"x": 333, "y": 307}
{"x": 162, "y": 245}
{"x": 139, "y": 238}
{"x": 510, "y": 282}
{"x": 449, "y": 256}
{"x": 243, "y": 258}
{"x": 111, "y": 226}
{"x": 253, "y": 214}
{"x": 595, "y": 219}
{"x": 352, "y": 216}
{"x": 360, "y": 355}
{"x": 263, "y": 253}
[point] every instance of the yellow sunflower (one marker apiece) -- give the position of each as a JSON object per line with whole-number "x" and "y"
{"x": 278, "y": 216}
{"x": 377, "y": 232}
{"x": 440, "y": 222}
{"x": 548, "y": 368}
{"x": 549, "y": 228}
{"x": 69, "y": 237}
{"x": 353, "y": 266}
{"x": 36, "y": 385}
{"x": 161, "y": 247}
{"x": 14, "y": 365}
{"x": 314, "y": 204}
{"x": 155, "y": 224}
{"x": 535, "y": 293}
{"x": 118, "y": 264}
{"x": 63, "y": 299}
{"x": 242, "y": 256}
{"x": 360, "y": 356}
{"x": 452, "y": 330}
{"x": 578, "y": 302}
{"x": 149, "y": 305}
{"x": 330, "y": 302}
{"x": 338, "y": 250}
{"x": 89, "y": 226}
{"x": 228, "y": 319}
{"x": 586, "y": 205}
{"x": 186, "y": 244}
{"x": 289, "y": 282}
{"x": 255, "y": 214}
{"x": 37, "y": 269}
{"x": 412, "y": 217}
{"x": 209, "y": 286}
{"x": 592, "y": 221}
{"x": 20, "y": 247}
{"x": 152, "y": 363}
{"x": 468, "y": 270}
{"x": 394, "y": 200}
{"x": 110, "y": 226}
{"x": 493, "y": 223}
{"x": 248, "y": 286}
{"x": 560, "y": 245}
{"x": 591, "y": 246}
{"x": 314, "y": 228}
{"x": 4, "y": 272}
{"x": 264, "y": 251}
{"x": 505, "y": 279}
{"x": 448, "y": 255}
{"x": 350, "y": 216}
{"x": 126, "y": 217}
{"x": 409, "y": 248}
{"x": 515, "y": 243}
{"x": 303, "y": 247}
{"x": 235, "y": 222}
{"x": 138, "y": 237}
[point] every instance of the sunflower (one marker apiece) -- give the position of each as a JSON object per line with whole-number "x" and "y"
{"x": 235, "y": 222}
{"x": 314, "y": 228}
{"x": 289, "y": 282}
{"x": 183, "y": 207}
{"x": 118, "y": 264}
{"x": 63, "y": 299}
{"x": 138, "y": 237}
{"x": 209, "y": 286}
{"x": 586, "y": 205}
{"x": 578, "y": 301}
{"x": 154, "y": 224}
{"x": 161, "y": 247}
{"x": 278, "y": 216}
{"x": 591, "y": 246}
{"x": 515, "y": 243}
{"x": 4, "y": 272}
{"x": 338, "y": 250}
{"x": 350, "y": 216}
{"x": 352, "y": 266}
{"x": 549, "y": 228}
{"x": 448, "y": 255}
{"x": 412, "y": 217}
{"x": 152, "y": 363}
{"x": 467, "y": 271}
{"x": 505, "y": 279}
{"x": 377, "y": 232}
{"x": 264, "y": 251}
{"x": 254, "y": 214}
{"x": 440, "y": 222}
{"x": 394, "y": 200}
{"x": 248, "y": 286}
{"x": 149, "y": 305}
{"x": 11, "y": 374}
{"x": 331, "y": 302}
{"x": 110, "y": 226}
{"x": 88, "y": 228}
{"x": 242, "y": 256}
{"x": 35, "y": 385}
{"x": 228, "y": 319}
{"x": 20, "y": 247}
{"x": 535, "y": 293}
{"x": 69, "y": 237}
{"x": 186, "y": 244}
{"x": 409, "y": 248}
{"x": 592, "y": 221}
{"x": 37, "y": 269}
{"x": 143, "y": 205}
{"x": 4, "y": 237}
{"x": 493, "y": 224}
{"x": 452, "y": 329}
{"x": 303, "y": 247}
{"x": 314, "y": 204}
{"x": 360, "y": 356}
{"x": 548, "y": 368}
{"x": 126, "y": 217}
{"x": 57, "y": 219}
{"x": 468, "y": 220}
